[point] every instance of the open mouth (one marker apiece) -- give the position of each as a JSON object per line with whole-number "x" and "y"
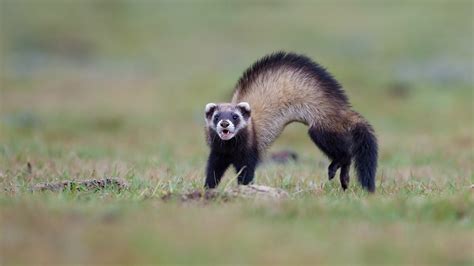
{"x": 225, "y": 134}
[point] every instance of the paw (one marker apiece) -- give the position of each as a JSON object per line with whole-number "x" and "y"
{"x": 344, "y": 181}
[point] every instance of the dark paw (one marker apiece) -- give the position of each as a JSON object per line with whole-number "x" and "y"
{"x": 245, "y": 182}
{"x": 344, "y": 185}
{"x": 344, "y": 178}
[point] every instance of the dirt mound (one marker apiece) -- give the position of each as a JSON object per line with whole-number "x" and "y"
{"x": 257, "y": 192}
{"x": 89, "y": 184}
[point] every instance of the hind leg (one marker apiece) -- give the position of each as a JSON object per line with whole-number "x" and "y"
{"x": 344, "y": 175}
{"x": 332, "y": 169}
{"x": 337, "y": 147}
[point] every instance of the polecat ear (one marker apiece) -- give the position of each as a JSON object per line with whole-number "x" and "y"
{"x": 244, "y": 108}
{"x": 209, "y": 110}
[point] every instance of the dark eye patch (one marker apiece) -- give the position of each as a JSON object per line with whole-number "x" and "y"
{"x": 227, "y": 115}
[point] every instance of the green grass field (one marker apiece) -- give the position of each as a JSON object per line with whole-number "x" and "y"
{"x": 93, "y": 89}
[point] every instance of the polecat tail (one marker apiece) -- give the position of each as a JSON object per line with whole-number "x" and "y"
{"x": 364, "y": 152}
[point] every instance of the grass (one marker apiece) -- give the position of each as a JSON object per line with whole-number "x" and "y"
{"x": 91, "y": 90}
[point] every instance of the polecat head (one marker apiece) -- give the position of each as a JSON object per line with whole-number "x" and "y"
{"x": 227, "y": 119}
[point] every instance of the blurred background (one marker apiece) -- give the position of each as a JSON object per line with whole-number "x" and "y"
{"x": 128, "y": 78}
{"x": 118, "y": 88}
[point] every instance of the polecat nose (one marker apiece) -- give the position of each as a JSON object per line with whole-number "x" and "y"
{"x": 224, "y": 124}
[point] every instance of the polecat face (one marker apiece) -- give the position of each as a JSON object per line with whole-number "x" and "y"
{"x": 227, "y": 119}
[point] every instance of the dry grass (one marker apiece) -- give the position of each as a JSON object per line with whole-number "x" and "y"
{"x": 131, "y": 107}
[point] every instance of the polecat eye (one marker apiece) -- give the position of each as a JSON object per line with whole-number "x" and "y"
{"x": 235, "y": 117}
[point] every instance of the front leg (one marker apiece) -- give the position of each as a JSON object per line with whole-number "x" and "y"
{"x": 216, "y": 166}
{"x": 246, "y": 168}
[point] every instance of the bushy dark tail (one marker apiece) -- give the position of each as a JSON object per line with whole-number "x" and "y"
{"x": 364, "y": 152}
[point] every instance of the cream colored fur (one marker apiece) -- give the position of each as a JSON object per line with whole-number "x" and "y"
{"x": 279, "y": 97}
